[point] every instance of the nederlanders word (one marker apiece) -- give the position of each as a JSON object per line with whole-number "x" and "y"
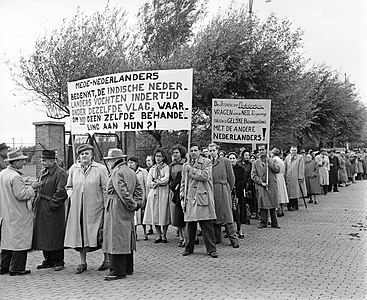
{"x": 237, "y": 137}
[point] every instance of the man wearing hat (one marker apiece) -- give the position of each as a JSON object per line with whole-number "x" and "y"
{"x": 49, "y": 221}
{"x": 3, "y": 152}
{"x": 124, "y": 197}
{"x": 15, "y": 217}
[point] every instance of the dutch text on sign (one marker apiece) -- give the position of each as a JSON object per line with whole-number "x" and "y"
{"x": 241, "y": 121}
{"x": 149, "y": 100}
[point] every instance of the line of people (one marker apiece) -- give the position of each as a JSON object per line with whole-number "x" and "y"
{"x": 87, "y": 209}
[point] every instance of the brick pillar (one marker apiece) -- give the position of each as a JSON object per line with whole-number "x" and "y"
{"x": 49, "y": 135}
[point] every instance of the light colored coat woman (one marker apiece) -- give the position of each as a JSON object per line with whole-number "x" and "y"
{"x": 324, "y": 167}
{"x": 17, "y": 219}
{"x": 282, "y": 188}
{"x": 142, "y": 176}
{"x": 88, "y": 193}
{"x": 157, "y": 210}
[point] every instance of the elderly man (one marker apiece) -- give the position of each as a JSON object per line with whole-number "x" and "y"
{"x": 294, "y": 178}
{"x": 49, "y": 221}
{"x": 263, "y": 173}
{"x": 3, "y": 152}
{"x": 223, "y": 181}
{"x": 124, "y": 197}
{"x": 17, "y": 218}
{"x": 196, "y": 193}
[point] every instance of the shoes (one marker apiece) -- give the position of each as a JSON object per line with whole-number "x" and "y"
{"x": 58, "y": 268}
{"x": 337, "y": 191}
{"x": 150, "y": 231}
{"x": 164, "y": 241}
{"x": 181, "y": 243}
{"x": 186, "y": 253}
{"x": 16, "y": 273}
{"x": 262, "y": 226}
{"x": 113, "y": 277}
{"x": 4, "y": 271}
{"x": 104, "y": 266}
{"x": 311, "y": 201}
{"x": 213, "y": 254}
{"x": 158, "y": 240}
{"x": 197, "y": 242}
{"x": 145, "y": 238}
{"x": 44, "y": 266}
{"x": 290, "y": 209}
{"x": 241, "y": 236}
{"x": 277, "y": 227}
{"x": 81, "y": 268}
{"x": 235, "y": 246}
{"x": 315, "y": 202}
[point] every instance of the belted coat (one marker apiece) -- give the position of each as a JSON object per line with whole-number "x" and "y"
{"x": 49, "y": 219}
{"x": 223, "y": 182}
{"x": 15, "y": 216}
{"x": 124, "y": 193}
{"x": 295, "y": 171}
{"x": 196, "y": 191}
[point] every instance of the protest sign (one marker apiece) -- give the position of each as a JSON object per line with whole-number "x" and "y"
{"x": 132, "y": 101}
{"x": 241, "y": 121}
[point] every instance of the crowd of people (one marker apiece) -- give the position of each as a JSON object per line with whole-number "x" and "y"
{"x": 91, "y": 206}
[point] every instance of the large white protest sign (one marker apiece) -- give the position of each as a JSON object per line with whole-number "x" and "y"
{"x": 242, "y": 121}
{"x": 132, "y": 101}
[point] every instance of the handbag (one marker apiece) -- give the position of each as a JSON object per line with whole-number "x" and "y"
{"x": 100, "y": 232}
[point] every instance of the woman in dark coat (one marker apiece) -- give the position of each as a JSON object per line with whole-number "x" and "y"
{"x": 178, "y": 159}
{"x": 312, "y": 178}
{"x": 239, "y": 212}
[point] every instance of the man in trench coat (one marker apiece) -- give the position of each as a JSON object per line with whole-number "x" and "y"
{"x": 294, "y": 178}
{"x": 124, "y": 197}
{"x": 223, "y": 182}
{"x": 197, "y": 200}
{"x": 49, "y": 221}
{"x": 16, "y": 218}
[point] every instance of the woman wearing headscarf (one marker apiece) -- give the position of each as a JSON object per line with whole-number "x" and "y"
{"x": 157, "y": 211}
{"x": 86, "y": 188}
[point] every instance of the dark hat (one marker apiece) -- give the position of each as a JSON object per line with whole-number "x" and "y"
{"x": 48, "y": 154}
{"x": 3, "y": 146}
{"x": 276, "y": 151}
{"x": 15, "y": 155}
{"x": 114, "y": 153}
{"x": 84, "y": 147}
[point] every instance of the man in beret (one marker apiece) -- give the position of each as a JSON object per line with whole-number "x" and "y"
{"x": 49, "y": 222}
{"x": 3, "y": 152}
{"x": 15, "y": 217}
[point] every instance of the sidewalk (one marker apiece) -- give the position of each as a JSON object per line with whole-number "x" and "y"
{"x": 319, "y": 253}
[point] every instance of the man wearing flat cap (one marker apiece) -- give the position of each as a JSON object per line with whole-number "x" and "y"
{"x": 3, "y": 152}
{"x": 49, "y": 221}
{"x": 15, "y": 217}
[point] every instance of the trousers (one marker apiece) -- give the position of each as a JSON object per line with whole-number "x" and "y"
{"x": 208, "y": 235}
{"x": 13, "y": 261}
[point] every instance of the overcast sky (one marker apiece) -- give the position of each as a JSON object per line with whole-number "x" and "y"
{"x": 335, "y": 33}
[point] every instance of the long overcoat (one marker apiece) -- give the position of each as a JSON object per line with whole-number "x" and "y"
{"x": 16, "y": 218}
{"x": 343, "y": 174}
{"x": 324, "y": 167}
{"x": 334, "y": 168}
{"x": 197, "y": 191}
{"x": 88, "y": 193}
{"x": 124, "y": 193}
{"x": 267, "y": 198}
{"x": 294, "y": 171}
{"x": 142, "y": 176}
{"x": 312, "y": 178}
{"x": 157, "y": 210}
{"x": 223, "y": 182}
{"x": 175, "y": 176}
{"x": 282, "y": 187}
{"x": 49, "y": 221}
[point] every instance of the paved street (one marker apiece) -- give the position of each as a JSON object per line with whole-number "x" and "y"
{"x": 319, "y": 253}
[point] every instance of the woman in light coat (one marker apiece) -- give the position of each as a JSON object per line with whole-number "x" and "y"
{"x": 312, "y": 178}
{"x": 323, "y": 162}
{"x": 282, "y": 187}
{"x": 86, "y": 187}
{"x": 157, "y": 211}
{"x": 124, "y": 197}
